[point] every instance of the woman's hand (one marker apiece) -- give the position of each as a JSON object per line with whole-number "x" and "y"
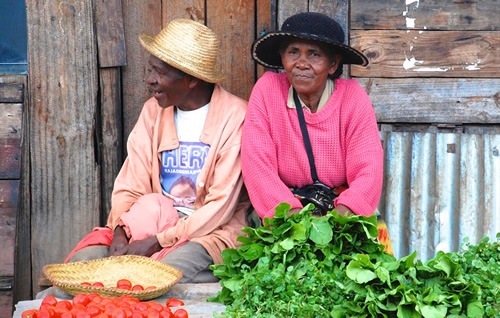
{"x": 343, "y": 210}
{"x": 146, "y": 247}
{"x": 119, "y": 242}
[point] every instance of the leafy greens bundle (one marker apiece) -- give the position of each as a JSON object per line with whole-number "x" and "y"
{"x": 299, "y": 265}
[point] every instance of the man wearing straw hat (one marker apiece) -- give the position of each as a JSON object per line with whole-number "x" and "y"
{"x": 179, "y": 196}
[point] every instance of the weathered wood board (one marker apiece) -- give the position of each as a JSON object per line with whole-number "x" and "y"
{"x": 471, "y": 15}
{"x": 11, "y": 92}
{"x": 10, "y": 140}
{"x": 110, "y": 134}
{"x": 6, "y": 302}
{"x": 139, "y": 17}
{"x": 9, "y": 200}
{"x": 65, "y": 193}
{"x": 435, "y": 101}
{"x": 394, "y": 53}
{"x": 231, "y": 20}
{"x": 9, "y": 194}
{"x": 110, "y": 33}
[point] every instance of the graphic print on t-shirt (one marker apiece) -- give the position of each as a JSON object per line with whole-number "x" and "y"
{"x": 180, "y": 168}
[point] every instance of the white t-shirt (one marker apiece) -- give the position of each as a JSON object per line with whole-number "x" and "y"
{"x": 181, "y": 166}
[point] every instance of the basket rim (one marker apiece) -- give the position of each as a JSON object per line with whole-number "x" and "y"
{"x": 73, "y": 288}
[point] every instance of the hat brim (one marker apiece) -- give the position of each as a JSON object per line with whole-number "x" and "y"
{"x": 265, "y": 50}
{"x": 210, "y": 76}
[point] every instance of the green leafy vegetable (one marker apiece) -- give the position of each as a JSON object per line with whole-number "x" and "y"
{"x": 299, "y": 265}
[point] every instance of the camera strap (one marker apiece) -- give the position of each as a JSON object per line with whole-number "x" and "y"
{"x": 305, "y": 136}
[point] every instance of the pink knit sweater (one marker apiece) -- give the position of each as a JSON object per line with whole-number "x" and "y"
{"x": 345, "y": 142}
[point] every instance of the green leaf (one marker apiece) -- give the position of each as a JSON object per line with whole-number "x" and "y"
{"x": 251, "y": 252}
{"x": 357, "y": 273}
{"x": 407, "y": 311}
{"x": 287, "y": 244}
{"x": 299, "y": 232}
{"x": 438, "y": 311}
{"x": 282, "y": 210}
{"x": 475, "y": 309}
{"x": 321, "y": 231}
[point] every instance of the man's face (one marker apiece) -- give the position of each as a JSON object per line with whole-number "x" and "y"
{"x": 167, "y": 84}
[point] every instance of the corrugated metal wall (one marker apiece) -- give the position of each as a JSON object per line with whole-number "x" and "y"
{"x": 440, "y": 187}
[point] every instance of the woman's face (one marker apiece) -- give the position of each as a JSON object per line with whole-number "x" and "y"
{"x": 167, "y": 84}
{"x": 307, "y": 65}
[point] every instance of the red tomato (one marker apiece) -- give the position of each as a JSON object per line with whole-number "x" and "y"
{"x": 181, "y": 313}
{"x": 45, "y": 313}
{"x": 93, "y": 310}
{"x": 124, "y": 284}
{"x": 166, "y": 313}
{"x": 98, "y": 284}
{"x": 49, "y": 300}
{"x": 58, "y": 311}
{"x": 141, "y": 306}
{"x": 30, "y": 313}
{"x": 153, "y": 314}
{"x": 64, "y": 304}
{"x": 137, "y": 314}
{"x": 82, "y": 299}
{"x": 137, "y": 287}
{"x": 156, "y": 306}
{"x": 86, "y": 284}
{"x": 67, "y": 314}
{"x": 174, "y": 302}
{"x": 118, "y": 313}
{"x": 82, "y": 314}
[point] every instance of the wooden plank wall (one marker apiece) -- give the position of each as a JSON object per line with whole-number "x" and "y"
{"x": 434, "y": 62}
{"x": 12, "y": 90}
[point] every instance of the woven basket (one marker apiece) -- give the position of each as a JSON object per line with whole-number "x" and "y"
{"x": 139, "y": 270}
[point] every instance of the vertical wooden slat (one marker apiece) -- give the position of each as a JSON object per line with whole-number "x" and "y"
{"x": 232, "y": 20}
{"x": 183, "y": 9}
{"x": 266, "y": 21}
{"x": 110, "y": 33}
{"x": 10, "y": 140}
{"x": 22, "y": 255}
{"x": 139, "y": 17}
{"x": 112, "y": 54}
{"x": 290, "y": 7}
{"x": 9, "y": 194}
{"x": 339, "y": 10}
{"x": 63, "y": 96}
{"x": 111, "y": 134}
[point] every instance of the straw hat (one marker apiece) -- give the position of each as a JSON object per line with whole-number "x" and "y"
{"x": 307, "y": 26}
{"x": 188, "y": 46}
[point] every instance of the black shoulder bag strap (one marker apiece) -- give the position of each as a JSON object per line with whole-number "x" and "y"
{"x": 305, "y": 135}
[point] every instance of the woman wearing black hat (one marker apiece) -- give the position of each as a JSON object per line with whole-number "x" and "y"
{"x": 339, "y": 124}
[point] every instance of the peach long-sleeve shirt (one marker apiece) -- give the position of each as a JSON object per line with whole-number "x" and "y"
{"x": 221, "y": 200}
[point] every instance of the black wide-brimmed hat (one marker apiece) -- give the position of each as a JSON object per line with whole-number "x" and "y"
{"x": 307, "y": 26}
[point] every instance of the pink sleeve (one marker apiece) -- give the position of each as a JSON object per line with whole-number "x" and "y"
{"x": 364, "y": 157}
{"x": 260, "y": 160}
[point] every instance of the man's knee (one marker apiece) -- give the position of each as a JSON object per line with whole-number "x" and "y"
{"x": 90, "y": 253}
{"x": 194, "y": 262}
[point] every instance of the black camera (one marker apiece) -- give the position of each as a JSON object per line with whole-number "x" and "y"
{"x": 319, "y": 194}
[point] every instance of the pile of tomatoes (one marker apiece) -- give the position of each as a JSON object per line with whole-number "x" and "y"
{"x": 96, "y": 306}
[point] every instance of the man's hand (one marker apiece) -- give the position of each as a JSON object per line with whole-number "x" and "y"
{"x": 120, "y": 241}
{"x": 146, "y": 247}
